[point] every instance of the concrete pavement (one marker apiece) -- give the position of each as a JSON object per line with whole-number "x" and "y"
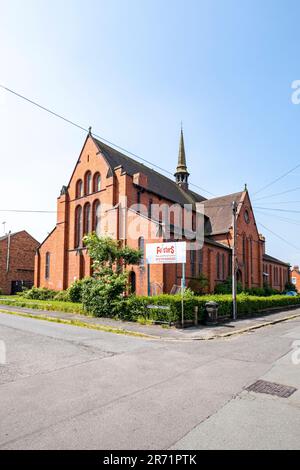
{"x": 66, "y": 387}
{"x": 200, "y": 332}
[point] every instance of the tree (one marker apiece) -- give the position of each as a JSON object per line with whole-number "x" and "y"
{"x": 102, "y": 295}
{"x": 105, "y": 252}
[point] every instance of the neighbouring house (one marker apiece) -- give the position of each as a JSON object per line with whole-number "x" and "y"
{"x": 295, "y": 277}
{"x": 102, "y": 178}
{"x": 17, "y": 252}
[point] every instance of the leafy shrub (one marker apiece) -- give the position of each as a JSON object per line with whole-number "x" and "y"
{"x": 199, "y": 285}
{"x": 75, "y": 290}
{"x": 135, "y": 308}
{"x": 102, "y": 296}
{"x": 38, "y": 293}
{"x": 226, "y": 287}
{"x": 62, "y": 296}
{"x": 289, "y": 286}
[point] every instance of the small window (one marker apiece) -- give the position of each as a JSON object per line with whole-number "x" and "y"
{"x": 78, "y": 227}
{"x": 97, "y": 183}
{"x": 150, "y": 202}
{"x": 79, "y": 188}
{"x": 47, "y": 265}
{"x": 246, "y": 216}
{"x": 200, "y": 261}
{"x": 223, "y": 266}
{"x": 87, "y": 183}
{"x": 218, "y": 266}
{"x": 193, "y": 262}
{"x": 138, "y": 200}
{"x": 142, "y": 249}
{"x": 86, "y": 219}
{"x": 96, "y": 217}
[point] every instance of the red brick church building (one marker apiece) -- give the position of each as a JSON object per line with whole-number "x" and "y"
{"x": 104, "y": 177}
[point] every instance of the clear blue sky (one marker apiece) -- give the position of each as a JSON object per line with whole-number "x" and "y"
{"x": 133, "y": 70}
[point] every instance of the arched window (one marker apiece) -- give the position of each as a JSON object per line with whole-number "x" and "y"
{"x": 223, "y": 266}
{"x": 87, "y": 183}
{"x": 96, "y": 217}
{"x": 200, "y": 261}
{"x": 78, "y": 227}
{"x": 47, "y": 265}
{"x": 142, "y": 249}
{"x": 79, "y": 188}
{"x": 86, "y": 218}
{"x": 218, "y": 266}
{"x": 97, "y": 182}
{"x": 150, "y": 202}
{"x": 193, "y": 262}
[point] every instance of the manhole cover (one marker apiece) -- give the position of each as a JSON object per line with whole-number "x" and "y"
{"x": 271, "y": 388}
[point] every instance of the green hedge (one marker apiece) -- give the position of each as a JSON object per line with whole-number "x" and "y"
{"x": 135, "y": 309}
{"x": 51, "y": 305}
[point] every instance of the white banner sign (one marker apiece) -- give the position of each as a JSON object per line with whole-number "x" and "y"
{"x": 166, "y": 253}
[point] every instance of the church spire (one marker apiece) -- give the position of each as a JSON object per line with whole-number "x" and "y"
{"x": 182, "y": 174}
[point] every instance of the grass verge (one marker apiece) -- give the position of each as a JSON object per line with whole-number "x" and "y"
{"x": 91, "y": 326}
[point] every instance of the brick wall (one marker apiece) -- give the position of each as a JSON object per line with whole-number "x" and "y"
{"x": 295, "y": 273}
{"x": 21, "y": 260}
{"x": 69, "y": 262}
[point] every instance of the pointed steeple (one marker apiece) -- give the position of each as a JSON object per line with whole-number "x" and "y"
{"x": 182, "y": 174}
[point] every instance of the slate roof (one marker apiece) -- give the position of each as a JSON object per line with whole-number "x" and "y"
{"x": 271, "y": 259}
{"x": 219, "y": 212}
{"x": 157, "y": 183}
{"x": 6, "y": 236}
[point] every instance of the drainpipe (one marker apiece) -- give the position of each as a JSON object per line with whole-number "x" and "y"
{"x": 8, "y": 252}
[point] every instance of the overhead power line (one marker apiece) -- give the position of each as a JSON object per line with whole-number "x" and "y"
{"x": 73, "y": 123}
{"x": 277, "y": 179}
{"x": 279, "y": 236}
{"x": 277, "y": 194}
{"x": 54, "y": 212}
{"x": 284, "y": 219}
{"x": 27, "y": 211}
{"x": 277, "y": 210}
{"x": 281, "y": 202}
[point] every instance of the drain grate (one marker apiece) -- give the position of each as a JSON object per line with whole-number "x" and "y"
{"x": 271, "y": 388}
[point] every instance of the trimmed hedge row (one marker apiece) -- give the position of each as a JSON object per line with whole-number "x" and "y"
{"x": 135, "y": 308}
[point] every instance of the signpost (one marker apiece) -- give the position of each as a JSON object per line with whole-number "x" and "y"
{"x": 167, "y": 253}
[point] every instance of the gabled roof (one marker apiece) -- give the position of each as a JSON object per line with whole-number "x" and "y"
{"x": 219, "y": 212}
{"x": 157, "y": 183}
{"x": 4, "y": 237}
{"x": 271, "y": 259}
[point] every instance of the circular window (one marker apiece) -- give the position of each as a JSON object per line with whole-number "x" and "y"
{"x": 246, "y": 216}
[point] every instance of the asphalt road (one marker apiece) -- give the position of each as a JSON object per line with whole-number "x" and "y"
{"x": 65, "y": 387}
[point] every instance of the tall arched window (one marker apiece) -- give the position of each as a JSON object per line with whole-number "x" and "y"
{"x": 78, "y": 227}
{"x": 86, "y": 218}
{"x": 218, "y": 266}
{"x": 96, "y": 217}
{"x": 193, "y": 262}
{"x": 87, "y": 183}
{"x": 150, "y": 202}
{"x": 223, "y": 266}
{"x": 97, "y": 182}
{"x": 142, "y": 249}
{"x": 47, "y": 265}
{"x": 79, "y": 188}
